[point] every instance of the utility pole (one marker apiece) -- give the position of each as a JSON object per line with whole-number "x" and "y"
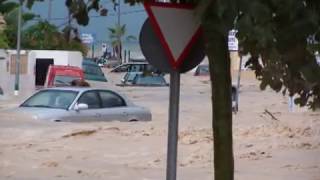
{"x": 69, "y": 26}
{"x": 49, "y": 10}
{"x": 92, "y": 48}
{"x": 119, "y": 38}
{"x": 17, "y": 78}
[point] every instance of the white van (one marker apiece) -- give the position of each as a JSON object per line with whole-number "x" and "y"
{"x": 34, "y": 66}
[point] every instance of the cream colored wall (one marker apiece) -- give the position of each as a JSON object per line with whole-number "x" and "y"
{"x": 235, "y": 60}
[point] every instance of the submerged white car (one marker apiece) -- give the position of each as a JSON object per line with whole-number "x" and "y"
{"x": 76, "y": 104}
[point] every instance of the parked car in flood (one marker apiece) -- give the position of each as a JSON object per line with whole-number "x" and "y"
{"x": 135, "y": 67}
{"x": 92, "y": 71}
{"x": 202, "y": 70}
{"x": 58, "y": 76}
{"x": 143, "y": 79}
{"x": 75, "y": 104}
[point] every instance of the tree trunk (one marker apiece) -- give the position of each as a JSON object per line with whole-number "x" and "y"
{"x": 219, "y": 64}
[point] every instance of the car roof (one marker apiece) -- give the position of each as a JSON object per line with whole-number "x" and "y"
{"x": 134, "y": 72}
{"x": 132, "y": 63}
{"x": 87, "y": 61}
{"x": 83, "y": 89}
{"x": 74, "y": 88}
{"x": 135, "y": 63}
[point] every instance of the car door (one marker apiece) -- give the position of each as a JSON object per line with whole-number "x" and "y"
{"x": 93, "y": 113}
{"x": 113, "y": 106}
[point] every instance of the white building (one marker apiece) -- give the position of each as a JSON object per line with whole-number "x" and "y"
{"x": 33, "y": 67}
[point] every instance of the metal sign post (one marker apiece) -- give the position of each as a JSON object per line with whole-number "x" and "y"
{"x": 238, "y": 84}
{"x": 233, "y": 45}
{"x": 173, "y": 125}
{"x": 171, "y": 40}
{"x": 17, "y": 77}
{"x": 92, "y": 49}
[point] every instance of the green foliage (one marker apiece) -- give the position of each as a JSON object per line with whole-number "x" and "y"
{"x": 116, "y": 34}
{"x": 45, "y": 36}
{"x": 117, "y": 31}
{"x": 6, "y": 6}
{"x": 79, "y": 9}
{"x": 42, "y": 35}
{"x": 11, "y": 19}
{"x": 276, "y": 33}
{"x": 3, "y": 41}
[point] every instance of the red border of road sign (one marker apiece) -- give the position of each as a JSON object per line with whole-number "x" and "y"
{"x": 174, "y": 63}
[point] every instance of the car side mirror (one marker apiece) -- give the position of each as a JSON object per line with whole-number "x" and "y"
{"x": 81, "y": 106}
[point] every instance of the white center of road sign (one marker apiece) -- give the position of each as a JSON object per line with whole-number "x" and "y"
{"x": 178, "y": 26}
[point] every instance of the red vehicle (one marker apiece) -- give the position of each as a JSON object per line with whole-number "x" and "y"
{"x": 62, "y": 75}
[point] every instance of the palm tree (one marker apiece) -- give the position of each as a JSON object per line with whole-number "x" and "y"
{"x": 12, "y": 24}
{"x": 6, "y": 6}
{"x": 42, "y": 35}
{"x": 116, "y": 35}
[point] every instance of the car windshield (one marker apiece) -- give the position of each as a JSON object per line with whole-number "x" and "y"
{"x": 149, "y": 80}
{"x": 203, "y": 69}
{"x": 130, "y": 76}
{"x": 57, "y": 99}
{"x": 92, "y": 69}
{"x": 123, "y": 67}
{"x": 64, "y": 80}
{"x": 136, "y": 68}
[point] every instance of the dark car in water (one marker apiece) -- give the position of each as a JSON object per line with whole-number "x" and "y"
{"x": 136, "y": 67}
{"x": 131, "y": 67}
{"x": 92, "y": 71}
{"x": 202, "y": 70}
{"x": 143, "y": 79}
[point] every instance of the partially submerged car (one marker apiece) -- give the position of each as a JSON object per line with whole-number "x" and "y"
{"x": 135, "y": 67}
{"x": 75, "y": 104}
{"x": 110, "y": 62}
{"x": 202, "y": 70}
{"x": 92, "y": 71}
{"x": 143, "y": 79}
{"x": 63, "y": 75}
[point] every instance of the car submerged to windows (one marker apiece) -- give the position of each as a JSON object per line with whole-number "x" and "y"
{"x": 135, "y": 67}
{"x": 78, "y": 104}
{"x": 92, "y": 71}
{"x": 142, "y": 79}
{"x": 202, "y": 70}
{"x": 58, "y": 76}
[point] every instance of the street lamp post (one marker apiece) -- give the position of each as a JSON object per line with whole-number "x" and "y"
{"x": 119, "y": 38}
{"x": 17, "y": 78}
{"x": 49, "y": 10}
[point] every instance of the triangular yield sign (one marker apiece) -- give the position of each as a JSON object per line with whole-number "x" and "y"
{"x": 177, "y": 28}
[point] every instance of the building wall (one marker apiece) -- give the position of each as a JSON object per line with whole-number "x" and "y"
{"x": 3, "y": 71}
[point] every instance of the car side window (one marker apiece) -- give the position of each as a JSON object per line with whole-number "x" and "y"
{"x": 110, "y": 99}
{"x": 91, "y": 99}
